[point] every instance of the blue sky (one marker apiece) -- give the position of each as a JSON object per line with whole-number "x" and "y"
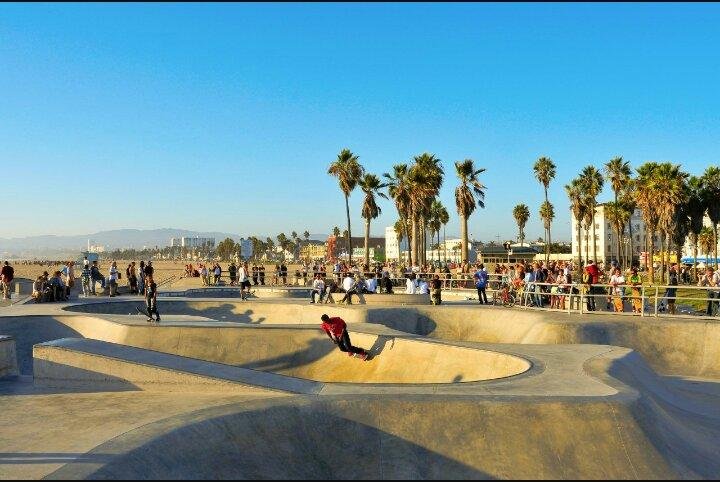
{"x": 226, "y": 117}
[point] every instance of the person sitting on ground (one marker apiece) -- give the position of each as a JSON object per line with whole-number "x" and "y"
{"x": 6, "y": 278}
{"x": 371, "y": 284}
{"x": 318, "y": 288}
{"x": 336, "y": 330}
{"x": 39, "y": 289}
{"x": 57, "y": 287}
{"x": 423, "y": 288}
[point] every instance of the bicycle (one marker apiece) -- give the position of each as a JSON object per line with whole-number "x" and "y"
{"x": 504, "y": 296}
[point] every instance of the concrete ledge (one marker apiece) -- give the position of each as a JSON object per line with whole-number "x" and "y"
{"x": 85, "y": 363}
{"x": 393, "y": 299}
{"x": 8, "y": 357}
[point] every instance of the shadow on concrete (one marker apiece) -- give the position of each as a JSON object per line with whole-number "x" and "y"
{"x": 60, "y": 378}
{"x": 311, "y": 353}
{"x": 19, "y": 458}
{"x": 31, "y": 330}
{"x": 208, "y": 309}
{"x": 281, "y": 442}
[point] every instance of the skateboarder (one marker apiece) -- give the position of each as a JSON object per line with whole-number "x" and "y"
{"x": 336, "y": 329}
{"x": 151, "y": 299}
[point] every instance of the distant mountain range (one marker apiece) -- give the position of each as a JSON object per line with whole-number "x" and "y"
{"x": 60, "y": 247}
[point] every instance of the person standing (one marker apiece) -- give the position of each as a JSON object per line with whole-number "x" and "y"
{"x": 283, "y": 273}
{"x": 96, "y": 276}
{"x": 113, "y": 277}
{"x": 151, "y": 299}
{"x": 69, "y": 273}
{"x": 617, "y": 280}
{"x": 436, "y": 286}
{"x": 85, "y": 280}
{"x": 141, "y": 278}
{"x": 671, "y": 293}
{"x": 710, "y": 280}
{"x": 336, "y": 330}
{"x": 7, "y": 274}
{"x": 132, "y": 279}
{"x": 244, "y": 281}
{"x": 261, "y": 271}
{"x": 233, "y": 271}
{"x": 481, "y": 280}
{"x": 635, "y": 282}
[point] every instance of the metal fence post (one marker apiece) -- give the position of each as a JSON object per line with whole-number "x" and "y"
{"x": 657, "y": 290}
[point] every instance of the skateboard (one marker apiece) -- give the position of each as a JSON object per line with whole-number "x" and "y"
{"x": 143, "y": 311}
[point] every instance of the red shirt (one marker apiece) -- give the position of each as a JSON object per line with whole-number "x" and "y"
{"x": 594, "y": 273}
{"x": 335, "y": 325}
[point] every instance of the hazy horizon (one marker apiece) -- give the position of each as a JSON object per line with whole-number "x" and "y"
{"x": 226, "y": 117}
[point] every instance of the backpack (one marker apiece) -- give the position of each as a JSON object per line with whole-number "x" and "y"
{"x": 586, "y": 278}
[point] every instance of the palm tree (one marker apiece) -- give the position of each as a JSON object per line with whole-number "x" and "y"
{"x": 465, "y": 201}
{"x": 426, "y": 178}
{"x": 618, "y": 174}
{"x": 711, "y": 185}
{"x": 645, "y": 198}
{"x": 336, "y": 233}
{"x": 400, "y": 229}
{"x": 617, "y": 214}
{"x": 547, "y": 214}
{"x": 400, "y": 190}
{"x": 706, "y": 241}
{"x": 669, "y": 186}
{"x": 521, "y": 213}
{"x": 545, "y": 172}
{"x": 438, "y": 218}
{"x": 306, "y": 235}
{"x": 575, "y": 193}
{"x": 695, "y": 208}
{"x": 370, "y": 185}
{"x": 593, "y": 182}
{"x": 348, "y": 171}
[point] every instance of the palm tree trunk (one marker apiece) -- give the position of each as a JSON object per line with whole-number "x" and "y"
{"x": 587, "y": 243}
{"x": 367, "y": 242}
{"x": 547, "y": 235}
{"x": 631, "y": 241}
{"x": 662, "y": 256}
{"x": 593, "y": 237}
{"x": 579, "y": 243}
{"x": 464, "y": 236}
{"x": 444, "y": 242}
{"x": 651, "y": 255}
{"x": 414, "y": 240}
{"x": 715, "y": 243}
{"x": 349, "y": 238}
{"x": 695, "y": 255}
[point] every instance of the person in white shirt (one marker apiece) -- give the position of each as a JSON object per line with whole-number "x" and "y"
{"x": 617, "y": 281}
{"x": 318, "y": 288}
{"x": 371, "y": 284}
{"x": 423, "y": 288}
{"x": 350, "y": 287}
{"x": 113, "y": 277}
{"x": 410, "y": 286}
{"x": 243, "y": 280}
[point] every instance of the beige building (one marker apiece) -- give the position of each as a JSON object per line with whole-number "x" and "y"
{"x": 313, "y": 250}
{"x": 606, "y": 239}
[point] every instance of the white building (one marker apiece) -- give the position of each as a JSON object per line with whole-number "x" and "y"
{"x": 192, "y": 242}
{"x": 606, "y": 238}
{"x": 392, "y": 247}
{"x": 687, "y": 249}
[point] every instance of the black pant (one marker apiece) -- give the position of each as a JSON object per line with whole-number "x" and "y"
{"x": 591, "y": 298}
{"x": 482, "y": 297}
{"x": 348, "y": 296}
{"x": 151, "y": 304}
{"x": 711, "y": 304}
{"x": 318, "y": 293}
{"x": 345, "y": 345}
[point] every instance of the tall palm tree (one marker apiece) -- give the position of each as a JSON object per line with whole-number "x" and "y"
{"x": 438, "y": 218}
{"x": 627, "y": 198}
{"x": 695, "y": 208}
{"x": 426, "y": 178}
{"x": 575, "y": 194}
{"x": 348, "y": 171}
{"x": 618, "y": 174}
{"x": 669, "y": 186}
{"x": 645, "y": 193}
{"x": 521, "y": 213}
{"x": 547, "y": 214}
{"x": 706, "y": 241}
{"x": 593, "y": 183}
{"x": 400, "y": 190}
{"x": 545, "y": 172}
{"x": 465, "y": 201}
{"x": 617, "y": 214}
{"x": 711, "y": 185}
{"x": 370, "y": 185}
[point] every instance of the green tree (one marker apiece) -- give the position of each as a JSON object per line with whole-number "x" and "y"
{"x": 465, "y": 201}
{"x": 521, "y": 213}
{"x": 544, "y": 169}
{"x": 426, "y": 178}
{"x": 371, "y": 186}
{"x": 711, "y": 194}
{"x": 348, "y": 171}
{"x": 400, "y": 190}
{"x": 592, "y": 181}
{"x": 695, "y": 208}
{"x": 438, "y": 218}
{"x": 547, "y": 214}
{"x": 578, "y": 207}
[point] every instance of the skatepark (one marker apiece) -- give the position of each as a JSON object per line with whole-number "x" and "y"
{"x": 224, "y": 388}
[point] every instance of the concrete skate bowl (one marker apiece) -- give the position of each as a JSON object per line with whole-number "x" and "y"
{"x": 307, "y": 353}
{"x": 392, "y": 438}
{"x": 671, "y": 347}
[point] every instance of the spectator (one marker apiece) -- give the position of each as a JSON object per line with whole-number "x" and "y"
{"x": 318, "y": 288}
{"x": 141, "y": 278}
{"x": 85, "y": 279}
{"x": 617, "y": 280}
{"x": 710, "y": 279}
{"x": 7, "y": 274}
{"x": 113, "y": 277}
{"x": 481, "y": 280}
{"x": 96, "y": 277}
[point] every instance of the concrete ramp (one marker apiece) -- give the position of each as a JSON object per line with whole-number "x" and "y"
{"x": 387, "y": 438}
{"x": 91, "y": 364}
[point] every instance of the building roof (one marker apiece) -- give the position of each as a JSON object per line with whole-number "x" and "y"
{"x": 500, "y": 250}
